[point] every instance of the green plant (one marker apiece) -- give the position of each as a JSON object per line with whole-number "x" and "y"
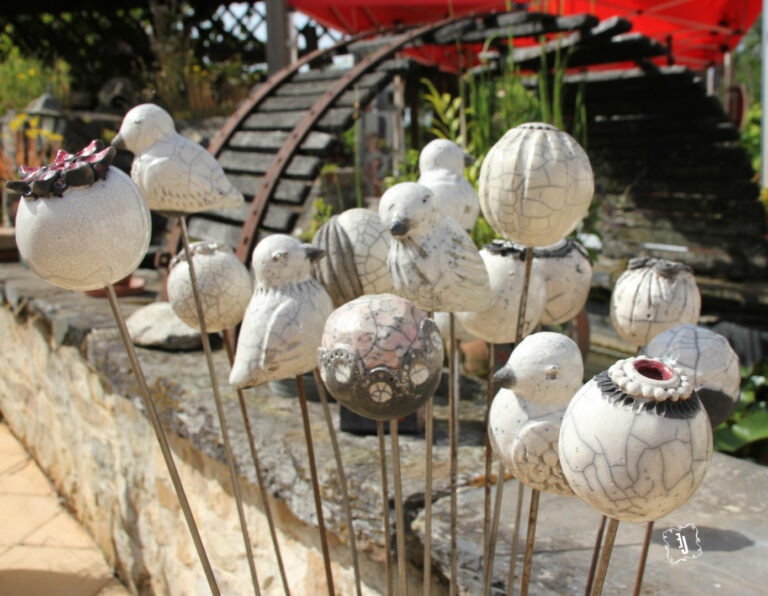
{"x": 24, "y": 78}
{"x": 409, "y": 171}
{"x": 745, "y": 433}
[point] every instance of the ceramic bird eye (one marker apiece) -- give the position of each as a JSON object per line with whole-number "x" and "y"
{"x": 635, "y": 441}
{"x": 381, "y": 356}
{"x": 82, "y": 224}
{"x": 224, "y": 284}
{"x": 535, "y": 185}
{"x": 651, "y": 296}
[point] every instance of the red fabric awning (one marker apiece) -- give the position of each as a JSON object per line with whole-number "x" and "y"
{"x": 700, "y": 31}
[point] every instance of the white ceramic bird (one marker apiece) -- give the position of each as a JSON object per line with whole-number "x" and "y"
{"x": 542, "y": 374}
{"x": 283, "y": 325}
{"x": 175, "y": 175}
{"x": 432, "y": 260}
{"x": 441, "y": 168}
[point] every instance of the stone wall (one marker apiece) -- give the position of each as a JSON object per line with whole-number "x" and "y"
{"x": 101, "y": 453}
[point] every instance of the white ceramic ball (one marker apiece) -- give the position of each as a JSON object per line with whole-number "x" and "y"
{"x": 89, "y": 237}
{"x": 635, "y": 447}
{"x": 535, "y": 185}
{"x": 498, "y": 323}
{"x": 567, "y": 275}
{"x": 651, "y": 296}
{"x": 224, "y": 284}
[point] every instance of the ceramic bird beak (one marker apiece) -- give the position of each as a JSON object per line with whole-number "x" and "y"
{"x": 118, "y": 142}
{"x": 504, "y": 378}
{"x": 468, "y": 160}
{"x": 399, "y": 226}
{"x": 313, "y": 253}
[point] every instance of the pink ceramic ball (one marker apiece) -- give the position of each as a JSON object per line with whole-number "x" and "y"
{"x": 381, "y": 356}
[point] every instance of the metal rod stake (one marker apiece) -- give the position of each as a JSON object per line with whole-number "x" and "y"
{"x": 643, "y": 558}
{"x": 488, "y": 567}
{"x": 229, "y": 343}
{"x": 488, "y": 456}
{"x": 429, "y": 436}
{"x": 219, "y": 407}
{"x": 515, "y": 539}
{"x": 605, "y": 557}
{"x": 400, "y": 520}
{"x": 529, "y": 540}
{"x": 315, "y": 483}
{"x": 342, "y": 480}
{"x": 385, "y": 506}
{"x": 453, "y": 430}
{"x": 595, "y": 555}
{"x": 154, "y": 419}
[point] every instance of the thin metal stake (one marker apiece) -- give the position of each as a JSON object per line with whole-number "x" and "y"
{"x": 488, "y": 456}
{"x": 453, "y": 431}
{"x": 429, "y": 435}
{"x": 499, "y": 485}
{"x": 154, "y": 419}
{"x": 488, "y": 566}
{"x": 229, "y": 343}
{"x": 400, "y": 520}
{"x": 342, "y": 480}
{"x": 315, "y": 483}
{"x": 529, "y": 540}
{"x": 515, "y": 539}
{"x": 643, "y": 558}
{"x": 595, "y": 555}
{"x": 605, "y": 557}
{"x": 219, "y": 407}
{"x": 385, "y": 505}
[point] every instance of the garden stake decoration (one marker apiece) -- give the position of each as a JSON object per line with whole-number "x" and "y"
{"x": 567, "y": 275}
{"x": 385, "y": 505}
{"x": 83, "y": 225}
{"x": 441, "y": 169}
{"x": 280, "y": 334}
{"x": 381, "y": 357}
{"x": 535, "y": 186}
{"x": 650, "y": 297}
{"x": 177, "y": 176}
{"x": 627, "y": 435}
{"x": 434, "y": 263}
{"x": 543, "y": 372}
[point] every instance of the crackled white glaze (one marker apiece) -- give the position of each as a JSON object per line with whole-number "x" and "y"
{"x": 174, "y": 174}
{"x": 708, "y": 360}
{"x": 651, "y": 296}
{"x": 283, "y": 323}
{"x": 89, "y": 237}
{"x": 441, "y": 169}
{"x": 381, "y": 356}
{"x": 505, "y": 263}
{"x": 535, "y": 185}
{"x": 357, "y": 245}
{"x": 635, "y": 441}
{"x": 433, "y": 261}
{"x": 540, "y": 377}
{"x": 567, "y": 275}
{"x": 224, "y": 284}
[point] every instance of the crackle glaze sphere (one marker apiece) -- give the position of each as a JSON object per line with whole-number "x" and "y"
{"x": 356, "y": 245}
{"x": 497, "y": 324}
{"x": 635, "y": 441}
{"x": 536, "y": 184}
{"x": 82, "y": 224}
{"x": 224, "y": 284}
{"x": 541, "y": 376}
{"x": 708, "y": 360}
{"x": 651, "y": 296}
{"x": 567, "y": 275}
{"x": 380, "y": 356}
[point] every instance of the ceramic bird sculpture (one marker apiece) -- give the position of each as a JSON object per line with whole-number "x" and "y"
{"x": 441, "y": 168}
{"x": 433, "y": 261}
{"x": 175, "y": 174}
{"x": 283, "y": 324}
{"x": 542, "y": 374}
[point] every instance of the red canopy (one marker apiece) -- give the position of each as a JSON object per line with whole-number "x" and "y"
{"x": 700, "y": 31}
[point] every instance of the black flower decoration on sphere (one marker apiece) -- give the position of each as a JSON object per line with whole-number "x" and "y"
{"x": 66, "y": 170}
